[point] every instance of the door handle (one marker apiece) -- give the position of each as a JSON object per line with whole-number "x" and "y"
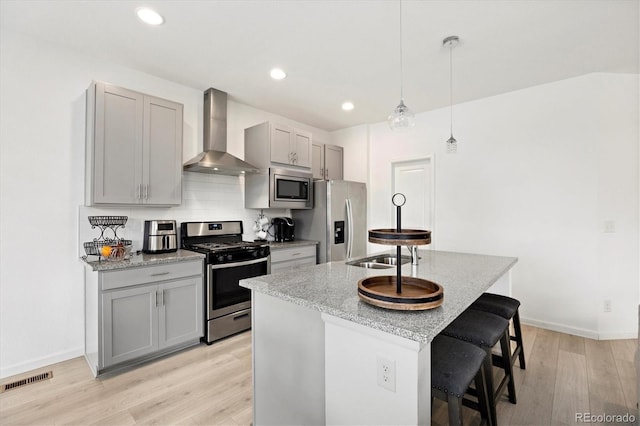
{"x": 349, "y": 225}
{"x": 146, "y": 191}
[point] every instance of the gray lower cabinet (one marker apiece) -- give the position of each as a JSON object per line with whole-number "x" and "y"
{"x": 283, "y": 259}
{"x": 142, "y": 312}
{"x": 130, "y": 324}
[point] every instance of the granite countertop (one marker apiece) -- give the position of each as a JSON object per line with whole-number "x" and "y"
{"x": 288, "y": 244}
{"x": 143, "y": 259}
{"x": 332, "y": 288}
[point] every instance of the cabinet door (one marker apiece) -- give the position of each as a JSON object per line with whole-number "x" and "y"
{"x": 333, "y": 160}
{"x": 302, "y": 148}
{"x": 181, "y": 318}
{"x": 281, "y": 143}
{"x": 317, "y": 160}
{"x": 117, "y": 161}
{"x": 129, "y": 324}
{"x": 162, "y": 152}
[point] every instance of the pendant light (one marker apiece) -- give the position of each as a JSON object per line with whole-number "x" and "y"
{"x": 401, "y": 118}
{"x": 451, "y": 42}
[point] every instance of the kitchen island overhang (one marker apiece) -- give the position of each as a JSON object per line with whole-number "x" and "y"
{"x": 317, "y": 346}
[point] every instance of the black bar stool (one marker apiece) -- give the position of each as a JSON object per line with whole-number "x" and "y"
{"x": 507, "y": 308}
{"x": 486, "y": 330}
{"x": 454, "y": 365}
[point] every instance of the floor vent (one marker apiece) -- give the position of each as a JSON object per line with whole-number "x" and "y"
{"x": 33, "y": 379}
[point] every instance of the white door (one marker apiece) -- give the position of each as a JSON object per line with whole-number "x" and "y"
{"x": 414, "y": 179}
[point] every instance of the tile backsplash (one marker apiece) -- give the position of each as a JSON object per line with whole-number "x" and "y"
{"x": 204, "y": 197}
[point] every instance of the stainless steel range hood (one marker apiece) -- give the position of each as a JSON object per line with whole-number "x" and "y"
{"x": 215, "y": 158}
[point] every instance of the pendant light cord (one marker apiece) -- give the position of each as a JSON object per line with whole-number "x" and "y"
{"x": 451, "y": 86}
{"x": 401, "y": 70}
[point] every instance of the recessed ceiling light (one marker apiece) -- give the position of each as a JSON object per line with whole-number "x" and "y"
{"x": 347, "y": 106}
{"x": 149, "y": 16}
{"x": 278, "y": 74}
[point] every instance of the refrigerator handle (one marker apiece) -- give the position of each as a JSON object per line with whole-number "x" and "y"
{"x": 349, "y": 228}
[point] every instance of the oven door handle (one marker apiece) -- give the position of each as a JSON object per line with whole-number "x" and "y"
{"x": 234, "y": 264}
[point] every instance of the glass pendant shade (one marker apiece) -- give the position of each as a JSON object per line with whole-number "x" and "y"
{"x": 452, "y": 145}
{"x": 401, "y": 118}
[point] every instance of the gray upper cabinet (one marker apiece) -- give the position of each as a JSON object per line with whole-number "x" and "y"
{"x": 134, "y": 148}
{"x": 317, "y": 160}
{"x": 272, "y": 144}
{"x": 327, "y": 162}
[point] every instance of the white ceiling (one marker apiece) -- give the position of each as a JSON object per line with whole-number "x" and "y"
{"x": 338, "y": 50}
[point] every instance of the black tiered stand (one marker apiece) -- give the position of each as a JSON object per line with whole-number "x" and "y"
{"x": 400, "y": 293}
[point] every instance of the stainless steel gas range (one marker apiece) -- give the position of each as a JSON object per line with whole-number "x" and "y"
{"x": 229, "y": 259}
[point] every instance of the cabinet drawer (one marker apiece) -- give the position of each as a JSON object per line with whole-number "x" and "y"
{"x": 282, "y": 255}
{"x": 150, "y": 274}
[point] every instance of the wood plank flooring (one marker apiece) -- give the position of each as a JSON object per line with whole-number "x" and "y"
{"x": 211, "y": 385}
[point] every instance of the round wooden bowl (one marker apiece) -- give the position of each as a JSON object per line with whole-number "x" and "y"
{"x": 417, "y": 293}
{"x": 406, "y": 237}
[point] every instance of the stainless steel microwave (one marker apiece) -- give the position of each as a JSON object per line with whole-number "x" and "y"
{"x": 279, "y": 188}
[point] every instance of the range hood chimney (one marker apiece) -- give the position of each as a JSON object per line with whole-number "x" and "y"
{"x": 215, "y": 158}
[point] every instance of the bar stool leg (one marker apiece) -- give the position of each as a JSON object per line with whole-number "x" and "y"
{"x": 505, "y": 347}
{"x": 483, "y": 398}
{"x": 518, "y": 335}
{"x": 455, "y": 411}
{"x": 491, "y": 396}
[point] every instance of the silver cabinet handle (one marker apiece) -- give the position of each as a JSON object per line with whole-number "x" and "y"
{"x": 146, "y": 191}
{"x": 160, "y": 273}
{"x": 162, "y": 298}
{"x": 326, "y": 173}
{"x": 139, "y": 191}
{"x": 156, "y": 298}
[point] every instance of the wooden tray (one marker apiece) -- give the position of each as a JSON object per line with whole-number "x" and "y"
{"x": 417, "y": 293}
{"x": 406, "y": 237}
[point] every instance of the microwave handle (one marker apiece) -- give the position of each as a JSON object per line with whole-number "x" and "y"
{"x": 349, "y": 228}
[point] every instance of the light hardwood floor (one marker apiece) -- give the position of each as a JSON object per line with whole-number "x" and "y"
{"x": 211, "y": 385}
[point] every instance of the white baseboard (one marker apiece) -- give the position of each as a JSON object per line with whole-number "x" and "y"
{"x": 582, "y": 332}
{"x": 33, "y": 364}
{"x": 591, "y": 334}
{"x": 618, "y": 335}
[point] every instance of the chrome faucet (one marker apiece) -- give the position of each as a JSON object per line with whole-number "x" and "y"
{"x": 414, "y": 254}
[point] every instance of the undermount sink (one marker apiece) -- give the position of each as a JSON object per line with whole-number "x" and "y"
{"x": 379, "y": 262}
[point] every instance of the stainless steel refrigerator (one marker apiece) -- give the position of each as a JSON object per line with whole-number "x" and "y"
{"x": 337, "y": 220}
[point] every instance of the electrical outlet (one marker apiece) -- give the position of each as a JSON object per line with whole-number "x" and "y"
{"x": 609, "y": 226}
{"x": 387, "y": 373}
{"x": 607, "y": 305}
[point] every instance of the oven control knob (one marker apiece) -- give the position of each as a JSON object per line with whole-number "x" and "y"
{"x": 220, "y": 258}
{"x": 255, "y": 253}
{"x": 229, "y": 257}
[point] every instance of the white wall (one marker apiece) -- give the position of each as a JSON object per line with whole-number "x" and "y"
{"x": 538, "y": 172}
{"x": 42, "y": 220}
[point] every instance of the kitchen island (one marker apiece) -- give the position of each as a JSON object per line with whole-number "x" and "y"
{"x": 319, "y": 351}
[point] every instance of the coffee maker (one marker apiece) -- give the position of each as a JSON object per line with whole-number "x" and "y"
{"x": 283, "y": 228}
